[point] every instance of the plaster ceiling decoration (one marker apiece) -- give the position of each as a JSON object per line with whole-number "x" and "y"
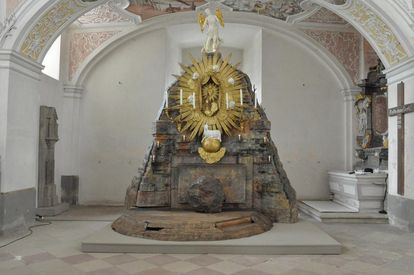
{"x": 343, "y": 45}
{"x": 325, "y": 16}
{"x": 82, "y": 45}
{"x": 12, "y": 5}
{"x": 150, "y": 8}
{"x": 379, "y": 31}
{"x": 48, "y": 26}
{"x": 279, "y": 9}
{"x": 104, "y": 13}
{"x": 370, "y": 56}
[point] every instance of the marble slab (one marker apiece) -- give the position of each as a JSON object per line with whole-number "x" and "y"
{"x": 302, "y": 238}
{"x": 329, "y": 207}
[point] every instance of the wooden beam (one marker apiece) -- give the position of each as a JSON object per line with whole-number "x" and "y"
{"x": 400, "y": 141}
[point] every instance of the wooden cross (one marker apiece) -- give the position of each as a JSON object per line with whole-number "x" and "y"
{"x": 400, "y": 111}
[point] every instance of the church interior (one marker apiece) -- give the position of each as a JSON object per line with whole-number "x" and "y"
{"x": 245, "y": 137}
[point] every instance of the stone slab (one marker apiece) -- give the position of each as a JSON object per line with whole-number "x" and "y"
{"x": 302, "y": 238}
{"x": 329, "y": 207}
{"x": 342, "y": 217}
{"x": 53, "y": 210}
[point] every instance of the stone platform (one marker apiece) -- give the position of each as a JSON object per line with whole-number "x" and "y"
{"x": 301, "y": 238}
{"x": 332, "y": 212}
{"x": 181, "y": 225}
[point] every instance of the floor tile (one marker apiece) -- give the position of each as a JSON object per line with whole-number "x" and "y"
{"x": 93, "y": 265}
{"x": 77, "y": 259}
{"x": 156, "y": 271}
{"x": 137, "y": 266}
{"x": 227, "y": 267}
{"x": 161, "y": 259}
{"x": 204, "y": 260}
{"x": 181, "y": 267}
{"x": 41, "y": 257}
{"x": 204, "y": 271}
{"x": 108, "y": 271}
{"x": 249, "y": 260}
{"x": 119, "y": 259}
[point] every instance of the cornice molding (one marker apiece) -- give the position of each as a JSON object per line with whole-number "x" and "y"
{"x": 72, "y": 91}
{"x": 16, "y": 62}
{"x": 400, "y": 72}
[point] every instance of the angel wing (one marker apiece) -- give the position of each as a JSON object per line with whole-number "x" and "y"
{"x": 219, "y": 15}
{"x": 201, "y": 20}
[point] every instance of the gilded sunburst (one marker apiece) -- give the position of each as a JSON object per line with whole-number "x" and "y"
{"x": 208, "y": 92}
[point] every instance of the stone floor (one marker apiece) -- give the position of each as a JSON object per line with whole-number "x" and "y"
{"x": 55, "y": 250}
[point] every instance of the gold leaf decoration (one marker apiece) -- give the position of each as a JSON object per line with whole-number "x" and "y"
{"x": 214, "y": 85}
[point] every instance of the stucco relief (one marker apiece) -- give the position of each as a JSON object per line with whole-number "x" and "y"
{"x": 376, "y": 28}
{"x": 343, "y": 45}
{"x": 11, "y": 6}
{"x": 82, "y": 45}
{"x": 325, "y": 16}
{"x": 48, "y": 25}
{"x": 103, "y": 14}
{"x": 371, "y": 57}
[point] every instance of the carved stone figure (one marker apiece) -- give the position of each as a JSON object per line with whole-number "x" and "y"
{"x": 48, "y": 136}
{"x": 362, "y": 106}
{"x": 209, "y": 26}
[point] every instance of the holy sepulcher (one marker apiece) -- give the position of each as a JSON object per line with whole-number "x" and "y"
{"x": 212, "y": 152}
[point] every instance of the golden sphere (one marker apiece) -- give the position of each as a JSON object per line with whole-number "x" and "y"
{"x": 211, "y": 145}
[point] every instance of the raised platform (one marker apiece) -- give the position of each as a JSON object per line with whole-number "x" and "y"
{"x": 300, "y": 238}
{"x": 331, "y": 212}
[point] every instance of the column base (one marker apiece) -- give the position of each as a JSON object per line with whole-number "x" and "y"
{"x": 52, "y": 210}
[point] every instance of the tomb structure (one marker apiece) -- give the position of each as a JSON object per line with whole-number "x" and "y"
{"x": 212, "y": 153}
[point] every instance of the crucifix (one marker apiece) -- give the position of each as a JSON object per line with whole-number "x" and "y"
{"x": 400, "y": 111}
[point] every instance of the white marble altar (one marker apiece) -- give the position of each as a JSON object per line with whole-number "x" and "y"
{"x": 363, "y": 193}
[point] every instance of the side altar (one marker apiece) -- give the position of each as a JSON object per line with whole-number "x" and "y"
{"x": 212, "y": 153}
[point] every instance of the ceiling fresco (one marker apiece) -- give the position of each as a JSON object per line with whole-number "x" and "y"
{"x": 279, "y": 9}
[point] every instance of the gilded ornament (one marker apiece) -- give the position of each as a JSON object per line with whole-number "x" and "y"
{"x": 379, "y": 31}
{"x": 211, "y": 158}
{"x": 211, "y": 145}
{"x": 204, "y": 96}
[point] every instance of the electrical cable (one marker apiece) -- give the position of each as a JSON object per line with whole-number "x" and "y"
{"x": 28, "y": 234}
{"x": 385, "y": 196}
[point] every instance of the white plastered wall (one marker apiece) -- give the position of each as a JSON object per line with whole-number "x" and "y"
{"x": 306, "y": 109}
{"x": 122, "y": 96}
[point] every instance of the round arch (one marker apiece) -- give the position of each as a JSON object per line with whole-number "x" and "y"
{"x": 269, "y": 24}
{"x": 40, "y": 22}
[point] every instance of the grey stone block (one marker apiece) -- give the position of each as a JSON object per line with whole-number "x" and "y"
{"x": 17, "y": 210}
{"x": 401, "y": 212}
{"x": 70, "y": 189}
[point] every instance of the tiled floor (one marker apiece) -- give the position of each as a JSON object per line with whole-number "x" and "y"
{"x": 55, "y": 250}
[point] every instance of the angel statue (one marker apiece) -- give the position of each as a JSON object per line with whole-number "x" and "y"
{"x": 209, "y": 26}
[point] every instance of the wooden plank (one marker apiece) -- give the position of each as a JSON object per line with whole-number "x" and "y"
{"x": 408, "y": 108}
{"x": 400, "y": 142}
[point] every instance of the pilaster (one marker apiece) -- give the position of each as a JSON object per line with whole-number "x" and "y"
{"x": 19, "y": 135}
{"x": 71, "y": 128}
{"x": 349, "y": 116}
